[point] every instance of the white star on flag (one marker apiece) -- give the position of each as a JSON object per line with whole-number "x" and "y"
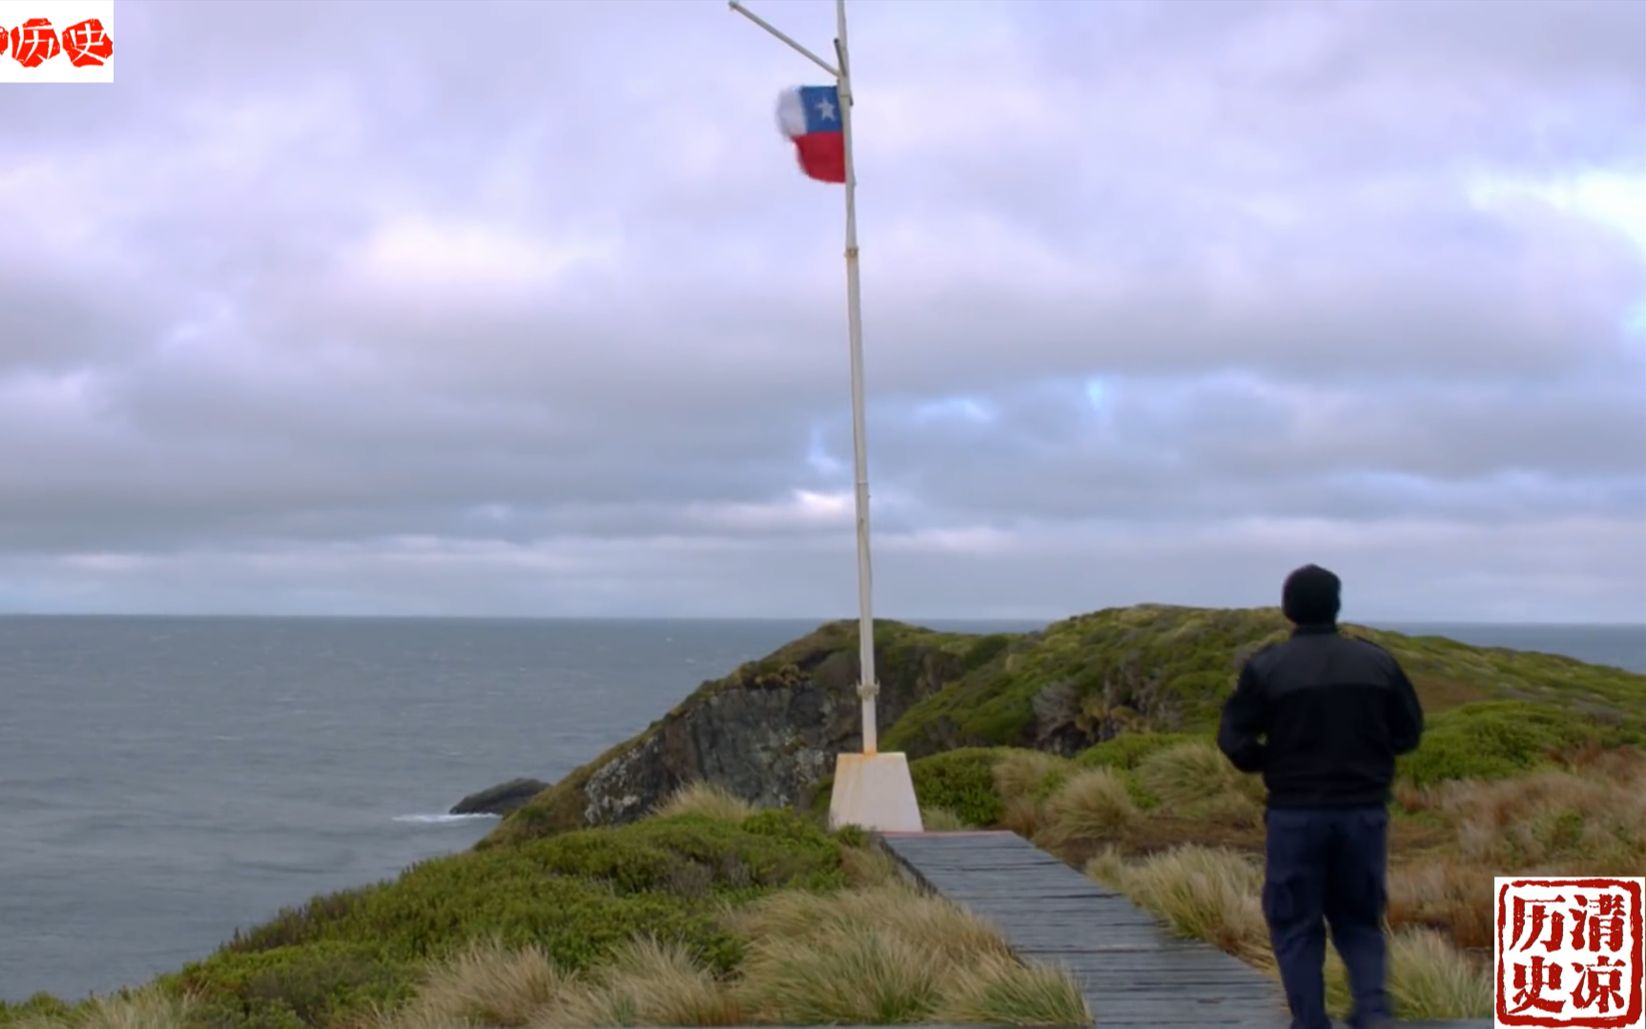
{"x": 825, "y": 110}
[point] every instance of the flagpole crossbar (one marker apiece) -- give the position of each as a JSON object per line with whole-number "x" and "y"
{"x": 737, "y": 6}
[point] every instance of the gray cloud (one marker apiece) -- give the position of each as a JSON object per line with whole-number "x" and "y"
{"x": 524, "y": 307}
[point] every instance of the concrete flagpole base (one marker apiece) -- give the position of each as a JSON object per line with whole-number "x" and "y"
{"x": 874, "y": 792}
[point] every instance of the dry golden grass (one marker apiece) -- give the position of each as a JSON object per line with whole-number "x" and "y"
{"x": 1196, "y": 777}
{"x": 646, "y": 983}
{"x": 864, "y": 975}
{"x": 147, "y": 1008}
{"x": 485, "y": 983}
{"x": 409, "y": 1017}
{"x": 1231, "y": 808}
{"x": 941, "y": 819}
{"x": 1000, "y": 991}
{"x": 706, "y": 800}
{"x": 1108, "y": 866}
{"x": 886, "y": 953}
{"x": 1208, "y": 893}
{"x": 1213, "y": 894}
{"x": 868, "y": 866}
{"x": 933, "y": 925}
{"x": 1026, "y": 773}
{"x": 1093, "y": 805}
{"x": 1025, "y": 816}
{"x": 1445, "y": 895}
{"x": 885, "y": 956}
{"x": 1551, "y": 821}
{"x": 1429, "y": 978}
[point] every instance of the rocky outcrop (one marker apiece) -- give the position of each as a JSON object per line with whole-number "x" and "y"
{"x": 500, "y": 799}
{"x": 768, "y": 733}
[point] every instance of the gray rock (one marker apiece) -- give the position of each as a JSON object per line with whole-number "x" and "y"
{"x": 768, "y": 733}
{"x": 500, "y": 799}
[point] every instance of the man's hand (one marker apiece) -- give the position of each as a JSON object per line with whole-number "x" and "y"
{"x": 1242, "y": 725}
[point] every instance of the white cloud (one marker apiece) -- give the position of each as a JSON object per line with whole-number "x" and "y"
{"x": 1173, "y": 288}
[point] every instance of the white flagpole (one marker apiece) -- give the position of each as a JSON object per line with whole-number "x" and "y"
{"x": 871, "y": 789}
{"x": 869, "y": 687}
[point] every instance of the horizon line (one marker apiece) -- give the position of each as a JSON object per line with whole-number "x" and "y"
{"x": 1369, "y": 621}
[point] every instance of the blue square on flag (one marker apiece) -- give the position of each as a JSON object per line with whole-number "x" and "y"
{"x": 810, "y": 117}
{"x": 822, "y": 104}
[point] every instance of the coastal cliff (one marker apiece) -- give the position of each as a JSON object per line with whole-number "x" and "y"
{"x": 769, "y": 732}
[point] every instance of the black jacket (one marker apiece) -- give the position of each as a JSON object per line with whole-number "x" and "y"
{"x": 1323, "y": 717}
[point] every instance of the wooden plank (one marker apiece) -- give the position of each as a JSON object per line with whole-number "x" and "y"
{"x": 1132, "y": 970}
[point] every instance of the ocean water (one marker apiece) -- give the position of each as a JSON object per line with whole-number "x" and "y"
{"x": 164, "y": 781}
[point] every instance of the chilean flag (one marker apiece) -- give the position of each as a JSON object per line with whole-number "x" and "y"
{"x": 810, "y": 115}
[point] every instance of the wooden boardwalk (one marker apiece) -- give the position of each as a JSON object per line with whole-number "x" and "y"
{"x": 1132, "y": 971}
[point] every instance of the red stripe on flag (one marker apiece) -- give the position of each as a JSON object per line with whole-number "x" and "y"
{"x": 822, "y": 155}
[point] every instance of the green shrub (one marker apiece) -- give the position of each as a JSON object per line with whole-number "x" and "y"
{"x": 578, "y": 897}
{"x": 1499, "y": 739}
{"x": 41, "y": 1006}
{"x": 961, "y": 782}
{"x": 852, "y": 836}
{"x": 1130, "y": 749}
{"x": 312, "y": 984}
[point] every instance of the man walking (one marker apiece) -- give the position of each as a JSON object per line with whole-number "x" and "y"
{"x": 1323, "y": 716}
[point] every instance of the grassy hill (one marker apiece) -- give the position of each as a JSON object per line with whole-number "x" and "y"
{"x": 1156, "y": 668}
{"x": 1147, "y": 669}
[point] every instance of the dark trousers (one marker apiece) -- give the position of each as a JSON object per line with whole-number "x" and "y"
{"x": 1328, "y": 866}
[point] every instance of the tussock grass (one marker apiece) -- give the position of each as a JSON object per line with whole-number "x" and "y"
{"x": 1213, "y": 894}
{"x": 941, "y": 930}
{"x": 1443, "y": 894}
{"x": 706, "y": 800}
{"x": 1108, "y": 867}
{"x": 1000, "y": 991}
{"x": 941, "y": 819}
{"x": 887, "y": 956}
{"x": 882, "y": 955}
{"x": 1029, "y": 773}
{"x": 487, "y": 983}
{"x": 1582, "y": 823}
{"x": 1431, "y": 979}
{"x": 647, "y": 982}
{"x": 1206, "y": 893}
{"x": 1195, "y": 778}
{"x": 1093, "y": 805}
{"x": 148, "y": 1008}
{"x": 867, "y": 866}
{"x": 1025, "y": 816}
{"x": 864, "y": 975}
{"x": 376, "y": 1016}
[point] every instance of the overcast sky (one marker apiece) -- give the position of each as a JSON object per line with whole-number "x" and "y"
{"x": 525, "y": 308}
